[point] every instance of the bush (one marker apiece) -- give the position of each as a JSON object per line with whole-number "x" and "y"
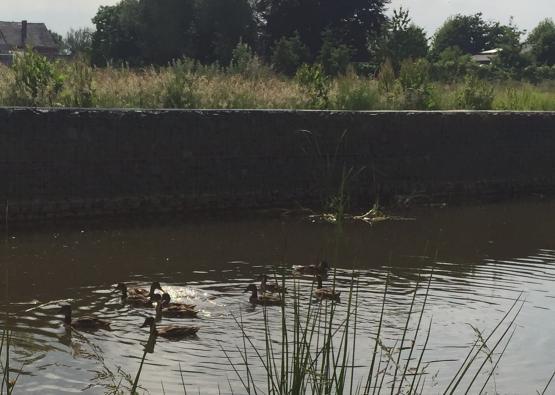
{"x": 36, "y": 80}
{"x": 179, "y": 90}
{"x": 475, "y": 94}
{"x": 334, "y": 56}
{"x": 356, "y": 94}
{"x": 288, "y": 54}
{"x": 414, "y": 79}
{"x": 79, "y": 91}
{"x": 315, "y": 84}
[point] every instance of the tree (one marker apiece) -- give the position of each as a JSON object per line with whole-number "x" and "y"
{"x": 116, "y": 35}
{"x": 542, "y": 42}
{"x": 353, "y": 22}
{"x": 220, "y": 26}
{"x": 471, "y": 34}
{"x": 165, "y": 30}
{"x": 79, "y": 42}
{"x": 403, "y": 40}
{"x": 288, "y": 54}
{"x": 58, "y": 40}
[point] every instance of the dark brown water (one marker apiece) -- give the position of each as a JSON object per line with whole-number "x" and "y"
{"x": 486, "y": 256}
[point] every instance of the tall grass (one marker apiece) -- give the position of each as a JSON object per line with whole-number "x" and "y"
{"x": 312, "y": 348}
{"x": 188, "y": 84}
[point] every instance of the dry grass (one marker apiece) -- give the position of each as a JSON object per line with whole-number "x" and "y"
{"x": 212, "y": 87}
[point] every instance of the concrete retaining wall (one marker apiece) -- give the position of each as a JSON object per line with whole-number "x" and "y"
{"x": 67, "y": 162}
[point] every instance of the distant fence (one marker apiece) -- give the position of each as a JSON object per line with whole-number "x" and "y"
{"x": 73, "y": 162}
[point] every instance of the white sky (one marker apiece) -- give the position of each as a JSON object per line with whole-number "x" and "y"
{"x": 60, "y": 15}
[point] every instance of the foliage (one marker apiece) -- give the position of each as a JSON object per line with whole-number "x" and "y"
{"x": 475, "y": 94}
{"x": 334, "y": 55}
{"x": 79, "y": 91}
{"x": 414, "y": 79}
{"x": 542, "y": 42}
{"x": 315, "y": 84}
{"x": 452, "y": 65}
{"x": 471, "y": 34}
{"x": 356, "y": 94}
{"x": 115, "y": 37}
{"x": 79, "y": 42}
{"x": 219, "y": 26}
{"x": 36, "y": 80}
{"x": 403, "y": 40}
{"x": 352, "y": 21}
{"x": 179, "y": 90}
{"x": 288, "y": 54}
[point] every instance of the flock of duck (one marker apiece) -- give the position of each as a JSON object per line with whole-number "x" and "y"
{"x": 270, "y": 295}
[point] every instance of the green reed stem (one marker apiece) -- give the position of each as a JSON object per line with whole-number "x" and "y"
{"x": 460, "y": 374}
{"x": 494, "y": 347}
{"x": 497, "y": 362}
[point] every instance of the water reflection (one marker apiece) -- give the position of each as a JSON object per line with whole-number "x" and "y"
{"x": 482, "y": 258}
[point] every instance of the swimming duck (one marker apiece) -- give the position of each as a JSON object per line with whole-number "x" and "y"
{"x": 325, "y": 293}
{"x": 137, "y": 300}
{"x": 265, "y": 286}
{"x": 166, "y": 302}
{"x": 321, "y": 268}
{"x": 144, "y": 292}
{"x": 264, "y": 299}
{"x": 179, "y": 311}
{"x": 83, "y": 323}
{"x": 171, "y": 331}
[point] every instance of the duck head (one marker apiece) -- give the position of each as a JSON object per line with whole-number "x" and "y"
{"x": 166, "y": 298}
{"x": 155, "y": 286}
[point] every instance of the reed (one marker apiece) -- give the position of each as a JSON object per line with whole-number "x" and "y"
{"x": 314, "y": 349}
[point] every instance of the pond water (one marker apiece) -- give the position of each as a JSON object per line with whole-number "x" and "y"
{"x": 483, "y": 257}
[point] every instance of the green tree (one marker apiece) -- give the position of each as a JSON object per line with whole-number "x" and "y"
{"x": 288, "y": 54}
{"x": 165, "y": 30}
{"x": 403, "y": 40}
{"x": 116, "y": 36}
{"x": 220, "y": 26}
{"x": 353, "y": 22}
{"x": 542, "y": 42}
{"x": 79, "y": 41}
{"x": 472, "y": 34}
{"x": 334, "y": 55}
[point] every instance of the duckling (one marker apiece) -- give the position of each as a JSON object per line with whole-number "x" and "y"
{"x": 171, "y": 331}
{"x": 166, "y": 302}
{"x": 144, "y": 292}
{"x": 179, "y": 311}
{"x": 137, "y": 300}
{"x": 83, "y": 323}
{"x": 321, "y": 268}
{"x": 265, "y": 286}
{"x": 264, "y": 299}
{"x": 325, "y": 293}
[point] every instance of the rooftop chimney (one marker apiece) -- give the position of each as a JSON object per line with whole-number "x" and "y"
{"x": 23, "y": 34}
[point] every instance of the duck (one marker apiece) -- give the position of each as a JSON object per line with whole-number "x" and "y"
{"x": 166, "y": 302}
{"x": 321, "y": 268}
{"x": 274, "y": 287}
{"x": 172, "y": 332}
{"x": 83, "y": 323}
{"x": 141, "y": 291}
{"x": 175, "y": 311}
{"x": 325, "y": 293}
{"x": 264, "y": 299}
{"x": 137, "y": 300}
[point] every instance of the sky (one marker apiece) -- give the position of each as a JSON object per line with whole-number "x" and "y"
{"x": 61, "y": 15}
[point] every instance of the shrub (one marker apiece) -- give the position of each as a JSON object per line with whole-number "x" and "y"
{"x": 288, "y": 54}
{"x": 475, "y": 94}
{"x": 245, "y": 62}
{"x": 334, "y": 55}
{"x": 79, "y": 91}
{"x": 356, "y": 94}
{"x": 315, "y": 84}
{"x": 414, "y": 79}
{"x": 36, "y": 80}
{"x": 179, "y": 90}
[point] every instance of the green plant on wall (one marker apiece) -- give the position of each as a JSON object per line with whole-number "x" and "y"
{"x": 475, "y": 94}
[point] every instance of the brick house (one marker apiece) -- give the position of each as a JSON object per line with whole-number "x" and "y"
{"x": 16, "y": 36}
